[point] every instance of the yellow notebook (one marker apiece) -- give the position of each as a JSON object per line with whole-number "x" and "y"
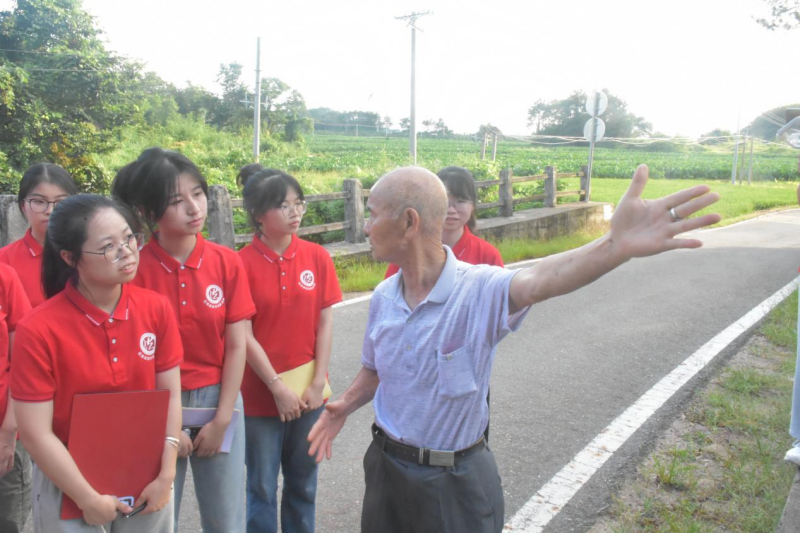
{"x": 298, "y": 380}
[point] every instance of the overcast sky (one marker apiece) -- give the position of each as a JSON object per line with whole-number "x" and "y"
{"x": 687, "y": 66}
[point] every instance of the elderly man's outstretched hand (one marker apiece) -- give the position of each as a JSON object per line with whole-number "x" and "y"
{"x": 326, "y": 428}
{"x": 640, "y": 228}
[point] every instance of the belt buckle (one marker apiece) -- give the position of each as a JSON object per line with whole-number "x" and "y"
{"x": 442, "y": 458}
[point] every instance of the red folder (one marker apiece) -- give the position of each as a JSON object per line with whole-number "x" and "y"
{"x": 117, "y": 440}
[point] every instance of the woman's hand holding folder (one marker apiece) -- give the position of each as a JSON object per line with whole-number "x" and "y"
{"x": 290, "y": 406}
{"x": 102, "y": 509}
{"x": 313, "y": 396}
{"x": 209, "y": 441}
{"x": 156, "y": 495}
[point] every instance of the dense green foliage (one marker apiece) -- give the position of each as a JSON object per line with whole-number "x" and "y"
{"x": 65, "y": 99}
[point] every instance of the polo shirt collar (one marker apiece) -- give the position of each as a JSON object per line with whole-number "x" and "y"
{"x": 34, "y": 247}
{"x": 461, "y": 246}
{"x": 444, "y": 285}
{"x": 170, "y": 263}
{"x": 270, "y": 255}
{"x": 94, "y": 314}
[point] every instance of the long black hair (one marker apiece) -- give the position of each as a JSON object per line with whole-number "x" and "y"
{"x": 44, "y": 173}
{"x": 460, "y": 184}
{"x": 147, "y": 184}
{"x": 265, "y": 190}
{"x": 67, "y": 232}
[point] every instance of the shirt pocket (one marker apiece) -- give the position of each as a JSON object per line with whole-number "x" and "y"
{"x": 456, "y": 372}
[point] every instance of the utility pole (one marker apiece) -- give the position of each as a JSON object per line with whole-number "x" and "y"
{"x": 257, "y": 105}
{"x": 736, "y": 151}
{"x": 412, "y": 128}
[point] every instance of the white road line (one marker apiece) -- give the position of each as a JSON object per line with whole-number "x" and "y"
{"x": 352, "y": 301}
{"x": 556, "y": 493}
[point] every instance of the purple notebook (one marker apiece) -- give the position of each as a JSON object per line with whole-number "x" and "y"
{"x": 197, "y": 417}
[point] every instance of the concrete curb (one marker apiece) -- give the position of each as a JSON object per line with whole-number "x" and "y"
{"x": 790, "y": 519}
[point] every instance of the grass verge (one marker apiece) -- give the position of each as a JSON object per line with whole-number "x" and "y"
{"x": 720, "y": 466}
{"x": 737, "y": 203}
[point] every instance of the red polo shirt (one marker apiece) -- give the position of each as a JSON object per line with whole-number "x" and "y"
{"x": 471, "y": 249}
{"x": 290, "y": 291}
{"x": 25, "y": 256}
{"x": 14, "y": 305}
{"x": 67, "y": 346}
{"x": 207, "y": 292}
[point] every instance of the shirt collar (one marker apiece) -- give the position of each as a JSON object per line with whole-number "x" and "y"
{"x": 270, "y": 255}
{"x": 461, "y": 246}
{"x": 34, "y": 247}
{"x": 444, "y": 285}
{"x": 94, "y": 314}
{"x": 170, "y": 263}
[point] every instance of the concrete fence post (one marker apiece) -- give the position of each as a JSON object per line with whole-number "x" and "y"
{"x": 354, "y": 211}
{"x": 506, "y": 196}
{"x": 585, "y": 183}
{"x": 220, "y": 217}
{"x": 550, "y": 187}
{"x": 12, "y": 223}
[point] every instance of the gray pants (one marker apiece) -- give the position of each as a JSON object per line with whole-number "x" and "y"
{"x": 15, "y": 493}
{"x": 404, "y": 497}
{"x": 47, "y": 514}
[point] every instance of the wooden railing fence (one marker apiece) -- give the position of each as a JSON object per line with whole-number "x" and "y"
{"x": 220, "y": 205}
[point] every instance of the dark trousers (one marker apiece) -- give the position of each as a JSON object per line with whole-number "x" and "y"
{"x": 15, "y": 493}
{"x": 404, "y": 497}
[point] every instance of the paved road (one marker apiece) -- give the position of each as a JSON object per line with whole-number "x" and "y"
{"x": 577, "y": 363}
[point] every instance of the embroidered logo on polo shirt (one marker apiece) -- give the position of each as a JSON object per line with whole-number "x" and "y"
{"x": 147, "y": 346}
{"x": 307, "y": 280}
{"x": 214, "y": 297}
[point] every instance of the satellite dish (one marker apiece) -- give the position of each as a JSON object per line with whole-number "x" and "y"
{"x": 599, "y": 130}
{"x": 592, "y": 101}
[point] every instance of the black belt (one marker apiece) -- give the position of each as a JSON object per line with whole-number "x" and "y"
{"x": 423, "y": 456}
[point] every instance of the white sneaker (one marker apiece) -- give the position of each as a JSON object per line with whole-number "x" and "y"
{"x": 793, "y": 455}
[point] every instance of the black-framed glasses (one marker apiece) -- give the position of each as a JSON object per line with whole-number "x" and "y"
{"x": 39, "y": 205}
{"x": 113, "y": 252}
{"x": 299, "y": 208}
{"x": 459, "y": 205}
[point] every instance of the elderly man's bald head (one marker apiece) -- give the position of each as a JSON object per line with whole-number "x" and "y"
{"x": 416, "y": 188}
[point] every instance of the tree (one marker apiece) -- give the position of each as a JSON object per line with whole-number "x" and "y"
{"x": 567, "y": 117}
{"x": 196, "y": 101}
{"x": 437, "y": 127}
{"x": 230, "y": 112}
{"x": 405, "y": 124}
{"x": 387, "y": 121}
{"x": 63, "y": 93}
{"x": 785, "y": 15}
{"x": 718, "y": 136}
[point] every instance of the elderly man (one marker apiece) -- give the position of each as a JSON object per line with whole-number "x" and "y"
{"x": 427, "y": 353}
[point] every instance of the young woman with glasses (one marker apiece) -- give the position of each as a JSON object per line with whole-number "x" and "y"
{"x": 207, "y": 287}
{"x": 88, "y": 337}
{"x": 42, "y": 187}
{"x": 294, "y": 285}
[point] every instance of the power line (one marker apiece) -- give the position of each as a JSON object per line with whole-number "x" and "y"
{"x": 45, "y": 52}
{"x": 65, "y": 70}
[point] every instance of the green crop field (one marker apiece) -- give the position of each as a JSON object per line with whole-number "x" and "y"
{"x": 323, "y": 161}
